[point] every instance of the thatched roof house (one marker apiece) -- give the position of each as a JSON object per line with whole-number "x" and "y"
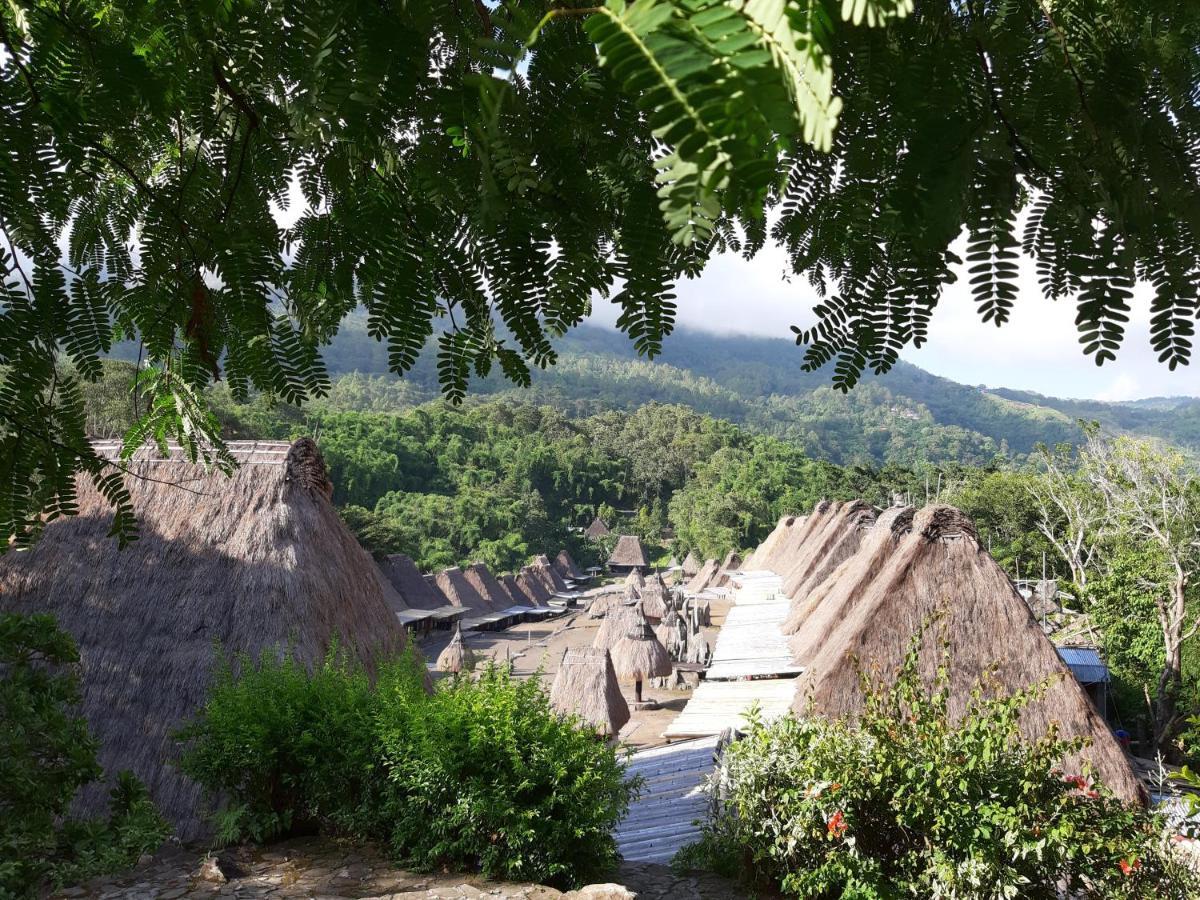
{"x": 837, "y": 541}
{"x": 628, "y": 556}
{"x": 792, "y": 543}
{"x": 457, "y": 657}
{"x": 402, "y": 573}
{"x": 519, "y": 594}
{"x": 564, "y": 564}
{"x": 616, "y": 623}
{"x": 533, "y": 586}
{"x": 690, "y": 565}
{"x": 586, "y": 685}
{"x": 810, "y": 623}
{"x": 486, "y": 585}
{"x": 549, "y": 576}
{"x": 760, "y": 557}
{"x": 597, "y": 529}
{"x": 732, "y": 561}
{"x": 940, "y": 569}
{"x": 254, "y": 561}
{"x": 704, "y": 578}
{"x": 460, "y": 592}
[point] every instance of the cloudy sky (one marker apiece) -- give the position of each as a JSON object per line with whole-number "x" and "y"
{"x": 1038, "y": 349}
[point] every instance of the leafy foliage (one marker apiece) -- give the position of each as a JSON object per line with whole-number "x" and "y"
{"x": 223, "y": 182}
{"x": 46, "y": 756}
{"x": 912, "y": 802}
{"x": 479, "y": 774}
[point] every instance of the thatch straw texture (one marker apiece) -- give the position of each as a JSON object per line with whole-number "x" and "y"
{"x": 824, "y": 552}
{"x": 586, "y": 685}
{"x": 453, "y": 583}
{"x": 564, "y": 564}
{"x": 732, "y": 561}
{"x": 255, "y": 561}
{"x": 431, "y": 580}
{"x": 654, "y": 602}
{"x": 812, "y": 622}
{"x": 602, "y": 603}
{"x": 635, "y": 579}
{"x": 638, "y": 655}
{"x": 940, "y": 569}
{"x": 691, "y": 565}
{"x": 597, "y": 529}
{"x": 759, "y": 557}
{"x": 457, "y": 657}
{"x": 520, "y": 596}
{"x": 628, "y": 554}
{"x": 486, "y": 585}
{"x": 672, "y": 634}
{"x": 616, "y": 623}
{"x": 403, "y": 575}
{"x": 550, "y": 579}
{"x": 794, "y": 541}
{"x": 704, "y": 578}
{"x": 837, "y": 536}
{"x": 533, "y": 586}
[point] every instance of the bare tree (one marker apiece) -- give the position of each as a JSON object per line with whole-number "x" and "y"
{"x": 1151, "y": 497}
{"x": 1071, "y": 512}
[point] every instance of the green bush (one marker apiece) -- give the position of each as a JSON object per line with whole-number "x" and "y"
{"x": 480, "y": 774}
{"x": 909, "y": 802}
{"x": 46, "y": 756}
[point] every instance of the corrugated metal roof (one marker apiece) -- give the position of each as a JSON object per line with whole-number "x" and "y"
{"x": 1085, "y": 664}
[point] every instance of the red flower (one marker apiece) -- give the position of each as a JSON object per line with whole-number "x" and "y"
{"x": 1128, "y": 868}
{"x": 1078, "y": 781}
{"x": 835, "y": 787}
{"x": 836, "y": 826}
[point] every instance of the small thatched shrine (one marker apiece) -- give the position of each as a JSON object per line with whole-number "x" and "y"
{"x": 255, "y": 561}
{"x": 638, "y": 655}
{"x": 635, "y": 580}
{"x": 654, "y": 603}
{"x": 597, "y": 529}
{"x": 602, "y": 603}
{"x": 457, "y": 657}
{"x": 586, "y": 685}
{"x": 616, "y": 623}
{"x": 939, "y": 573}
{"x": 628, "y": 556}
{"x": 403, "y": 574}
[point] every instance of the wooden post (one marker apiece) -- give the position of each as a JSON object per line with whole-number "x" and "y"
{"x": 637, "y": 691}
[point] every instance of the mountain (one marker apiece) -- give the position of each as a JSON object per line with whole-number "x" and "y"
{"x": 906, "y": 416}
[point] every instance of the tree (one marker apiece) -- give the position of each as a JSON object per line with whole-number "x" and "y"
{"x": 222, "y": 182}
{"x": 1151, "y": 499}
{"x": 1071, "y": 512}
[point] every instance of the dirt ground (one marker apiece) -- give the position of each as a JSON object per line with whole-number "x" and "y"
{"x": 536, "y": 648}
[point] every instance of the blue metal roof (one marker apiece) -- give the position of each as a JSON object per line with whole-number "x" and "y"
{"x": 1085, "y": 664}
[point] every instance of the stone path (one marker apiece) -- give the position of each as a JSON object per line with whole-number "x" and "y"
{"x": 328, "y": 870}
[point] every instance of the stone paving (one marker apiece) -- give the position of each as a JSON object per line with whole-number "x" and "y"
{"x": 323, "y": 869}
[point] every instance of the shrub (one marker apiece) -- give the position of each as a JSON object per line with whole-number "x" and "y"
{"x": 46, "y": 756}
{"x": 480, "y": 774}
{"x": 909, "y": 802}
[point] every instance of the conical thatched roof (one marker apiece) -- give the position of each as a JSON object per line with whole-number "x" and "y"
{"x": 533, "y": 586}
{"x": 732, "y": 561}
{"x": 521, "y": 597}
{"x": 459, "y": 591}
{"x": 704, "y": 578}
{"x": 457, "y": 657}
{"x": 550, "y": 577}
{"x": 253, "y": 561}
{"x": 586, "y": 685}
{"x": 402, "y": 573}
{"x": 760, "y": 556}
{"x": 833, "y": 600}
{"x": 628, "y": 553}
{"x": 837, "y": 541}
{"x": 635, "y": 579}
{"x": 792, "y": 543}
{"x": 486, "y": 585}
{"x": 602, "y": 603}
{"x": 691, "y": 565}
{"x": 638, "y": 655}
{"x": 616, "y": 623}
{"x": 653, "y": 603}
{"x": 564, "y": 564}
{"x": 597, "y": 529}
{"x": 940, "y": 569}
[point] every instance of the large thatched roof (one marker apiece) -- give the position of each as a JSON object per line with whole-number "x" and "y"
{"x": 457, "y": 656}
{"x": 402, "y": 573}
{"x": 586, "y": 685}
{"x": 254, "y": 561}
{"x": 519, "y": 594}
{"x": 547, "y": 576}
{"x": 690, "y": 564}
{"x": 628, "y": 553}
{"x": 704, "y": 578}
{"x": 940, "y": 569}
{"x": 812, "y": 621}
{"x": 533, "y": 586}
{"x": 460, "y": 592}
{"x": 732, "y": 561}
{"x": 760, "y": 557}
{"x": 792, "y": 542}
{"x": 638, "y": 655}
{"x": 826, "y": 550}
{"x": 564, "y": 564}
{"x": 486, "y": 585}
{"x": 597, "y": 529}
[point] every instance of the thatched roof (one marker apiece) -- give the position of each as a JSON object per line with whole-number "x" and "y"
{"x": 616, "y": 623}
{"x": 602, "y": 603}
{"x": 635, "y": 579}
{"x": 672, "y": 634}
{"x": 629, "y": 552}
{"x": 517, "y": 591}
{"x": 811, "y": 622}
{"x": 939, "y": 568}
{"x": 690, "y": 564}
{"x": 792, "y": 543}
{"x": 704, "y": 578}
{"x": 257, "y": 560}
{"x": 586, "y": 685}
{"x": 732, "y": 561}
{"x": 547, "y": 577}
{"x": 638, "y": 655}
{"x": 533, "y": 586}
{"x": 402, "y": 573}
{"x": 486, "y": 585}
{"x": 597, "y": 529}
{"x": 431, "y": 580}
{"x": 758, "y": 558}
{"x": 654, "y": 603}
{"x": 823, "y": 552}
{"x": 457, "y": 657}
{"x": 460, "y": 592}
{"x": 565, "y": 566}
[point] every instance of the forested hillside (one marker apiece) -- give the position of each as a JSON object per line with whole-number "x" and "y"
{"x": 907, "y": 416}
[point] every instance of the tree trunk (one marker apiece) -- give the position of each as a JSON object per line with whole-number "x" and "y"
{"x": 1171, "y": 679}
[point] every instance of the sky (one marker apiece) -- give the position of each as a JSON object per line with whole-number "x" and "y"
{"x": 1038, "y": 349}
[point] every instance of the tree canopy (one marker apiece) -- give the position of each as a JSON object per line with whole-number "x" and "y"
{"x": 223, "y": 182}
